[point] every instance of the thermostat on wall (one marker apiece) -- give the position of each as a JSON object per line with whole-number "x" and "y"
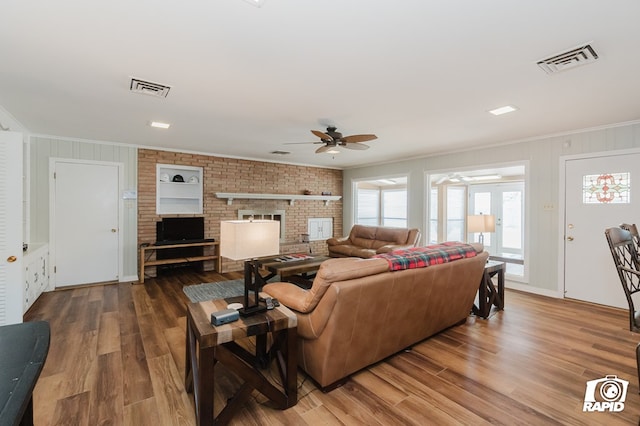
{"x": 130, "y": 195}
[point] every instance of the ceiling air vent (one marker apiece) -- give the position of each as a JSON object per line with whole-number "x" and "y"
{"x": 579, "y": 56}
{"x": 149, "y": 88}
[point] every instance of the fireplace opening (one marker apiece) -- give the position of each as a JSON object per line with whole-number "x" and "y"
{"x": 265, "y": 215}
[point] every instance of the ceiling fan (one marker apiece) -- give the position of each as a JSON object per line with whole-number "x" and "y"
{"x": 332, "y": 139}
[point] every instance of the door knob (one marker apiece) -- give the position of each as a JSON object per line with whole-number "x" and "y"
{"x": 569, "y": 238}
{"x": 11, "y": 259}
{"x": 113, "y": 230}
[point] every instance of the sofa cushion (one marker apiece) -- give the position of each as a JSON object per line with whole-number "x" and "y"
{"x": 363, "y": 242}
{"x": 343, "y": 249}
{"x": 349, "y": 250}
{"x": 420, "y": 257}
{"x": 392, "y": 236}
{"x": 343, "y": 269}
{"x": 363, "y": 252}
{"x": 362, "y": 231}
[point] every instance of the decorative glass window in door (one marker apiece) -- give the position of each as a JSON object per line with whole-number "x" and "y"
{"x": 606, "y": 188}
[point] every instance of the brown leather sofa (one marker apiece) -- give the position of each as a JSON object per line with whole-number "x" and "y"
{"x": 366, "y": 241}
{"x": 358, "y": 313}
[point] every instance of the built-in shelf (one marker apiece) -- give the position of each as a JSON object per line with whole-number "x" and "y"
{"x": 230, "y": 196}
{"x": 183, "y": 197}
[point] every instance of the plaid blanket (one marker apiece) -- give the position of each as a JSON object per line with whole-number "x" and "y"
{"x": 421, "y": 257}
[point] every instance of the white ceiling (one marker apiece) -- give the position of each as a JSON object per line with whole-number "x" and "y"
{"x": 421, "y": 75}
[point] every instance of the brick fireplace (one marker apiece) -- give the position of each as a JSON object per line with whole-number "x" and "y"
{"x": 234, "y": 175}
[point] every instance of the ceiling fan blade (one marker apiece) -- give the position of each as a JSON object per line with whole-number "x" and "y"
{"x": 358, "y": 138}
{"x": 358, "y": 146}
{"x": 301, "y": 143}
{"x": 323, "y": 136}
{"x": 323, "y": 149}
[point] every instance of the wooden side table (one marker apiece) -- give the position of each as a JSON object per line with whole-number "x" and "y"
{"x": 207, "y": 345}
{"x": 488, "y": 295}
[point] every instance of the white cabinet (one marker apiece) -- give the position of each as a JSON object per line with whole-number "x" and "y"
{"x": 175, "y": 195}
{"x": 36, "y": 273}
{"x": 320, "y": 228}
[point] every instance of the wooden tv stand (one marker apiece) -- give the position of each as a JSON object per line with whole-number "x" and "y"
{"x": 144, "y": 248}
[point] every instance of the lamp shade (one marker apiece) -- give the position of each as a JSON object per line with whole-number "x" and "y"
{"x": 248, "y": 239}
{"x": 481, "y": 223}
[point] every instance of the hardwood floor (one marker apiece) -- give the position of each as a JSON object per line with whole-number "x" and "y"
{"x": 117, "y": 357}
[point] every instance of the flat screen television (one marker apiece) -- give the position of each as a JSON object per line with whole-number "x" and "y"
{"x": 180, "y": 229}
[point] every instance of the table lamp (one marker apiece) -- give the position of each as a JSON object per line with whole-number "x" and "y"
{"x": 481, "y": 223}
{"x": 247, "y": 240}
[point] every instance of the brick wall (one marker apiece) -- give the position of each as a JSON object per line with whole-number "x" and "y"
{"x": 232, "y": 175}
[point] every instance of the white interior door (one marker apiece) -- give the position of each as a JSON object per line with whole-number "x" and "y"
{"x": 85, "y": 229}
{"x": 597, "y": 196}
{"x": 11, "y": 282}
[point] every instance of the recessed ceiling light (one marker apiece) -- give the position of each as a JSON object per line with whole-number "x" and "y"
{"x": 503, "y": 110}
{"x": 160, "y": 125}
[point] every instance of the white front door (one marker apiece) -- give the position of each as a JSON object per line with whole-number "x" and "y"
{"x": 597, "y": 197}
{"x": 11, "y": 281}
{"x": 85, "y": 237}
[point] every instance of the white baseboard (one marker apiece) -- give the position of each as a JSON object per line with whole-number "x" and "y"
{"x": 535, "y": 290}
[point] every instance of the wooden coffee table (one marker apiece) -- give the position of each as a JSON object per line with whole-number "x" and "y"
{"x": 300, "y": 272}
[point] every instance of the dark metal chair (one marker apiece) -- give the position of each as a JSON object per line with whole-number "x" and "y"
{"x": 638, "y": 362}
{"x": 634, "y": 234}
{"x": 633, "y": 229}
{"x": 625, "y": 257}
{"x": 623, "y": 243}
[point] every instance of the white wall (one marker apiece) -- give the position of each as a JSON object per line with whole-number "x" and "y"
{"x": 543, "y": 156}
{"x": 8, "y": 121}
{"x": 42, "y": 148}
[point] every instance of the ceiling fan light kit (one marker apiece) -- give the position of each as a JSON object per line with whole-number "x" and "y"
{"x": 456, "y": 178}
{"x": 256, "y": 3}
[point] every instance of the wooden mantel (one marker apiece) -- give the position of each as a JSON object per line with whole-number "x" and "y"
{"x": 230, "y": 196}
